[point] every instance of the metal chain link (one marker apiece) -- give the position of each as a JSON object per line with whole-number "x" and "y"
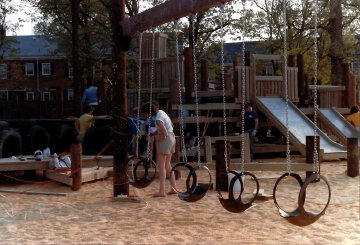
{"x": 183, "y": 150}
{"x": 223, "y": 83}
{"x": 192, "y": 16}
{"x": 316, "y": 154}
{"x": 140, "y": 35}
{"x": 288, "y": 160}
{"x": 243, "y": 91}
{"x": 151, "y": 87}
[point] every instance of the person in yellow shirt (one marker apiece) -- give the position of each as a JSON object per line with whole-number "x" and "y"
{"x": 85, "y": 122}
{"x": 354, "y": 118}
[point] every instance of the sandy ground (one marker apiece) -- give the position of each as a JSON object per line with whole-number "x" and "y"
{"x": 172, "y": 221}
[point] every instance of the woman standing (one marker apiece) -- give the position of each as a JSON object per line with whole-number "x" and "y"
{"x": 165, "y": 144}
{"x": 354, "y": 118}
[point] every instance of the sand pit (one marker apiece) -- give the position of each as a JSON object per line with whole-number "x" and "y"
{"x": 172, "y": 221}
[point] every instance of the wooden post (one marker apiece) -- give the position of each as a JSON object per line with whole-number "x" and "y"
{"x": 346, "y": 82}
{"x": 307, "y": 81}
{"x": 247, "y": 58}
{"x": 189, "y": 75}
{"x": 76, "y": 166}
{"x": 208, "y": 149}
{"x": 204, "y": 75}
{"x": 352, "y": 157}
{"x": 119, "y": 107}
{"x": 310, "y": 140}
{"x": 102, "y": 99}
{"x": 301, "y": 80}
{"x": 220, "y": 164}
{"x": 228, "y": 82}
{"x": 291, "y": 60}
{"x": 352, "y": 91}
{"x": 236, "y": 78}
{"x": 247, "y": 148}
{"x": 174, "y": 100}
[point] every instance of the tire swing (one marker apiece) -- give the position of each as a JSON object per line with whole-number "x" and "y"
{"x": 146, "y": 163}
{"x": 193, "y": 192}
{"x": 231, "y": 204}
{"x": 299, "y": 216}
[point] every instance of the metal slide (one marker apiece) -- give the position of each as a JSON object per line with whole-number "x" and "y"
{"x": 338, "y": 125}
{"x": 300, "y": 126}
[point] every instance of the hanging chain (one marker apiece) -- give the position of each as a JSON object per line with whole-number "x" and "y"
{"x": 316, "y": 154}
{"x": 140, "y": 35}
{"x": 223, "y": 83}
{"x": 243, "y": 91}
{"x": 288, "y": 161}
{"x": 192, "y": 16}
{"x": 151, "y": 87}
{"x": 183, "y": 149}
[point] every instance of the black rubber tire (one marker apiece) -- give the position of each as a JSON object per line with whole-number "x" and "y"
{"x": 37, "y": 138}
{"x": 4, "y": 125}
{"x": 102, "y": 122}
{"x": 10, "y": 143}
{"x": 103, "y": 137}
{"x": 89, "y": 142}
{"x": 19, "y": 123}
{"x": 64, "y": 137}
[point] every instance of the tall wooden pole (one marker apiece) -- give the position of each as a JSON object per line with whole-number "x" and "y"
{"x": 236, "y": 78}
{"x": 119, "y": 99}
{"x": 75, "y": 16}
{"x": 345, "y": 82}
{"x": 352, "y": 157}
{"x": 189, "y": 75}
{"x": 352, "y": 91}
{"x": 204, "y": 75}
{"x": 76, "y": 174}
{"x": 174, "y": 100}
{"x": 301, "y": 79}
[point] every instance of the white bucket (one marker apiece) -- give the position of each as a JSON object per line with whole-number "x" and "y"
{"x": 237, "y": 183}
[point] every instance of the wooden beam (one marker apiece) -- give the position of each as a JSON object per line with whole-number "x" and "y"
{"x": 213, "y": 93}
{"x": 327, "y": 88}
{"x": 267, "y": 57}
{"x": 213, "y": 106}
{"x": 164, "y": 13}
{"x": 269, "y": 78}
{"x": 203, "y": 119}
{"x": 353, "y": 157}
{"x": 76, "y": 164}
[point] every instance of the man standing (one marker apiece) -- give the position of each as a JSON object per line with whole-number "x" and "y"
{"x": 90, "y": 96}
{"x": 251, "y": 126}
{"x": 85, "y": 122}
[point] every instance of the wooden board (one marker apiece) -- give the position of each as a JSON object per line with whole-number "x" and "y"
{"x": 213, "y": 106}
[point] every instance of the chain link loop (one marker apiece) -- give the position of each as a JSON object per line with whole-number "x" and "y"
{"x": 151, "y": 87}
{"x": 288, "y": 160}
{"x": 316, "y": 154}
{"x": 243, "y": 91}
{"x": 140, "y": 35}
{"x": 192, "y": 16}
{"x": 221, "y": 14}
{"x": 183, "y": 150}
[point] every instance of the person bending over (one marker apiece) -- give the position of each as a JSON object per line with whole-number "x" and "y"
{"x": 165, "y": 145}
{"x": 354, "y": 118}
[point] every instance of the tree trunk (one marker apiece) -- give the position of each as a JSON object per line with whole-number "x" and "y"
{"x": 75, "y": 56}
{"x": 336, "y": 53}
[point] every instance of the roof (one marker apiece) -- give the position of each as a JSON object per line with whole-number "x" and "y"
{"x": 35, "y": 46}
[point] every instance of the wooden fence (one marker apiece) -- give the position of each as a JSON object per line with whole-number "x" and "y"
{"x": 330, "y": 96}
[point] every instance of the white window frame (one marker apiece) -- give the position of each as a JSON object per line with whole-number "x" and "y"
{"x": 7, "y": 94}
{"x": 70, "y": 89}
{"x": 27, "y": 96}
{"x": 70, "y": 70}
{"x": 26, "y": 69}
{"x": 48, "y": 94}
{"x": 5, "y": 76}
{"x": 42, "y": 69}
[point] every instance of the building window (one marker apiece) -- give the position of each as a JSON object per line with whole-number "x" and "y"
{"x": 46, "y": 69}
{"x": 4, "y": 95}
{"x": 29, "y": 95}
{"x": 70, "y": 71}
{"x": 70, "y": 94}
{"x": 29, "y": 69}
{"x": 3, "y": 71}
{"x": 46, "y": 96}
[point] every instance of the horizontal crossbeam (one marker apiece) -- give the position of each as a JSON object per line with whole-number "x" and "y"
{"x": 164, "y": 13}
